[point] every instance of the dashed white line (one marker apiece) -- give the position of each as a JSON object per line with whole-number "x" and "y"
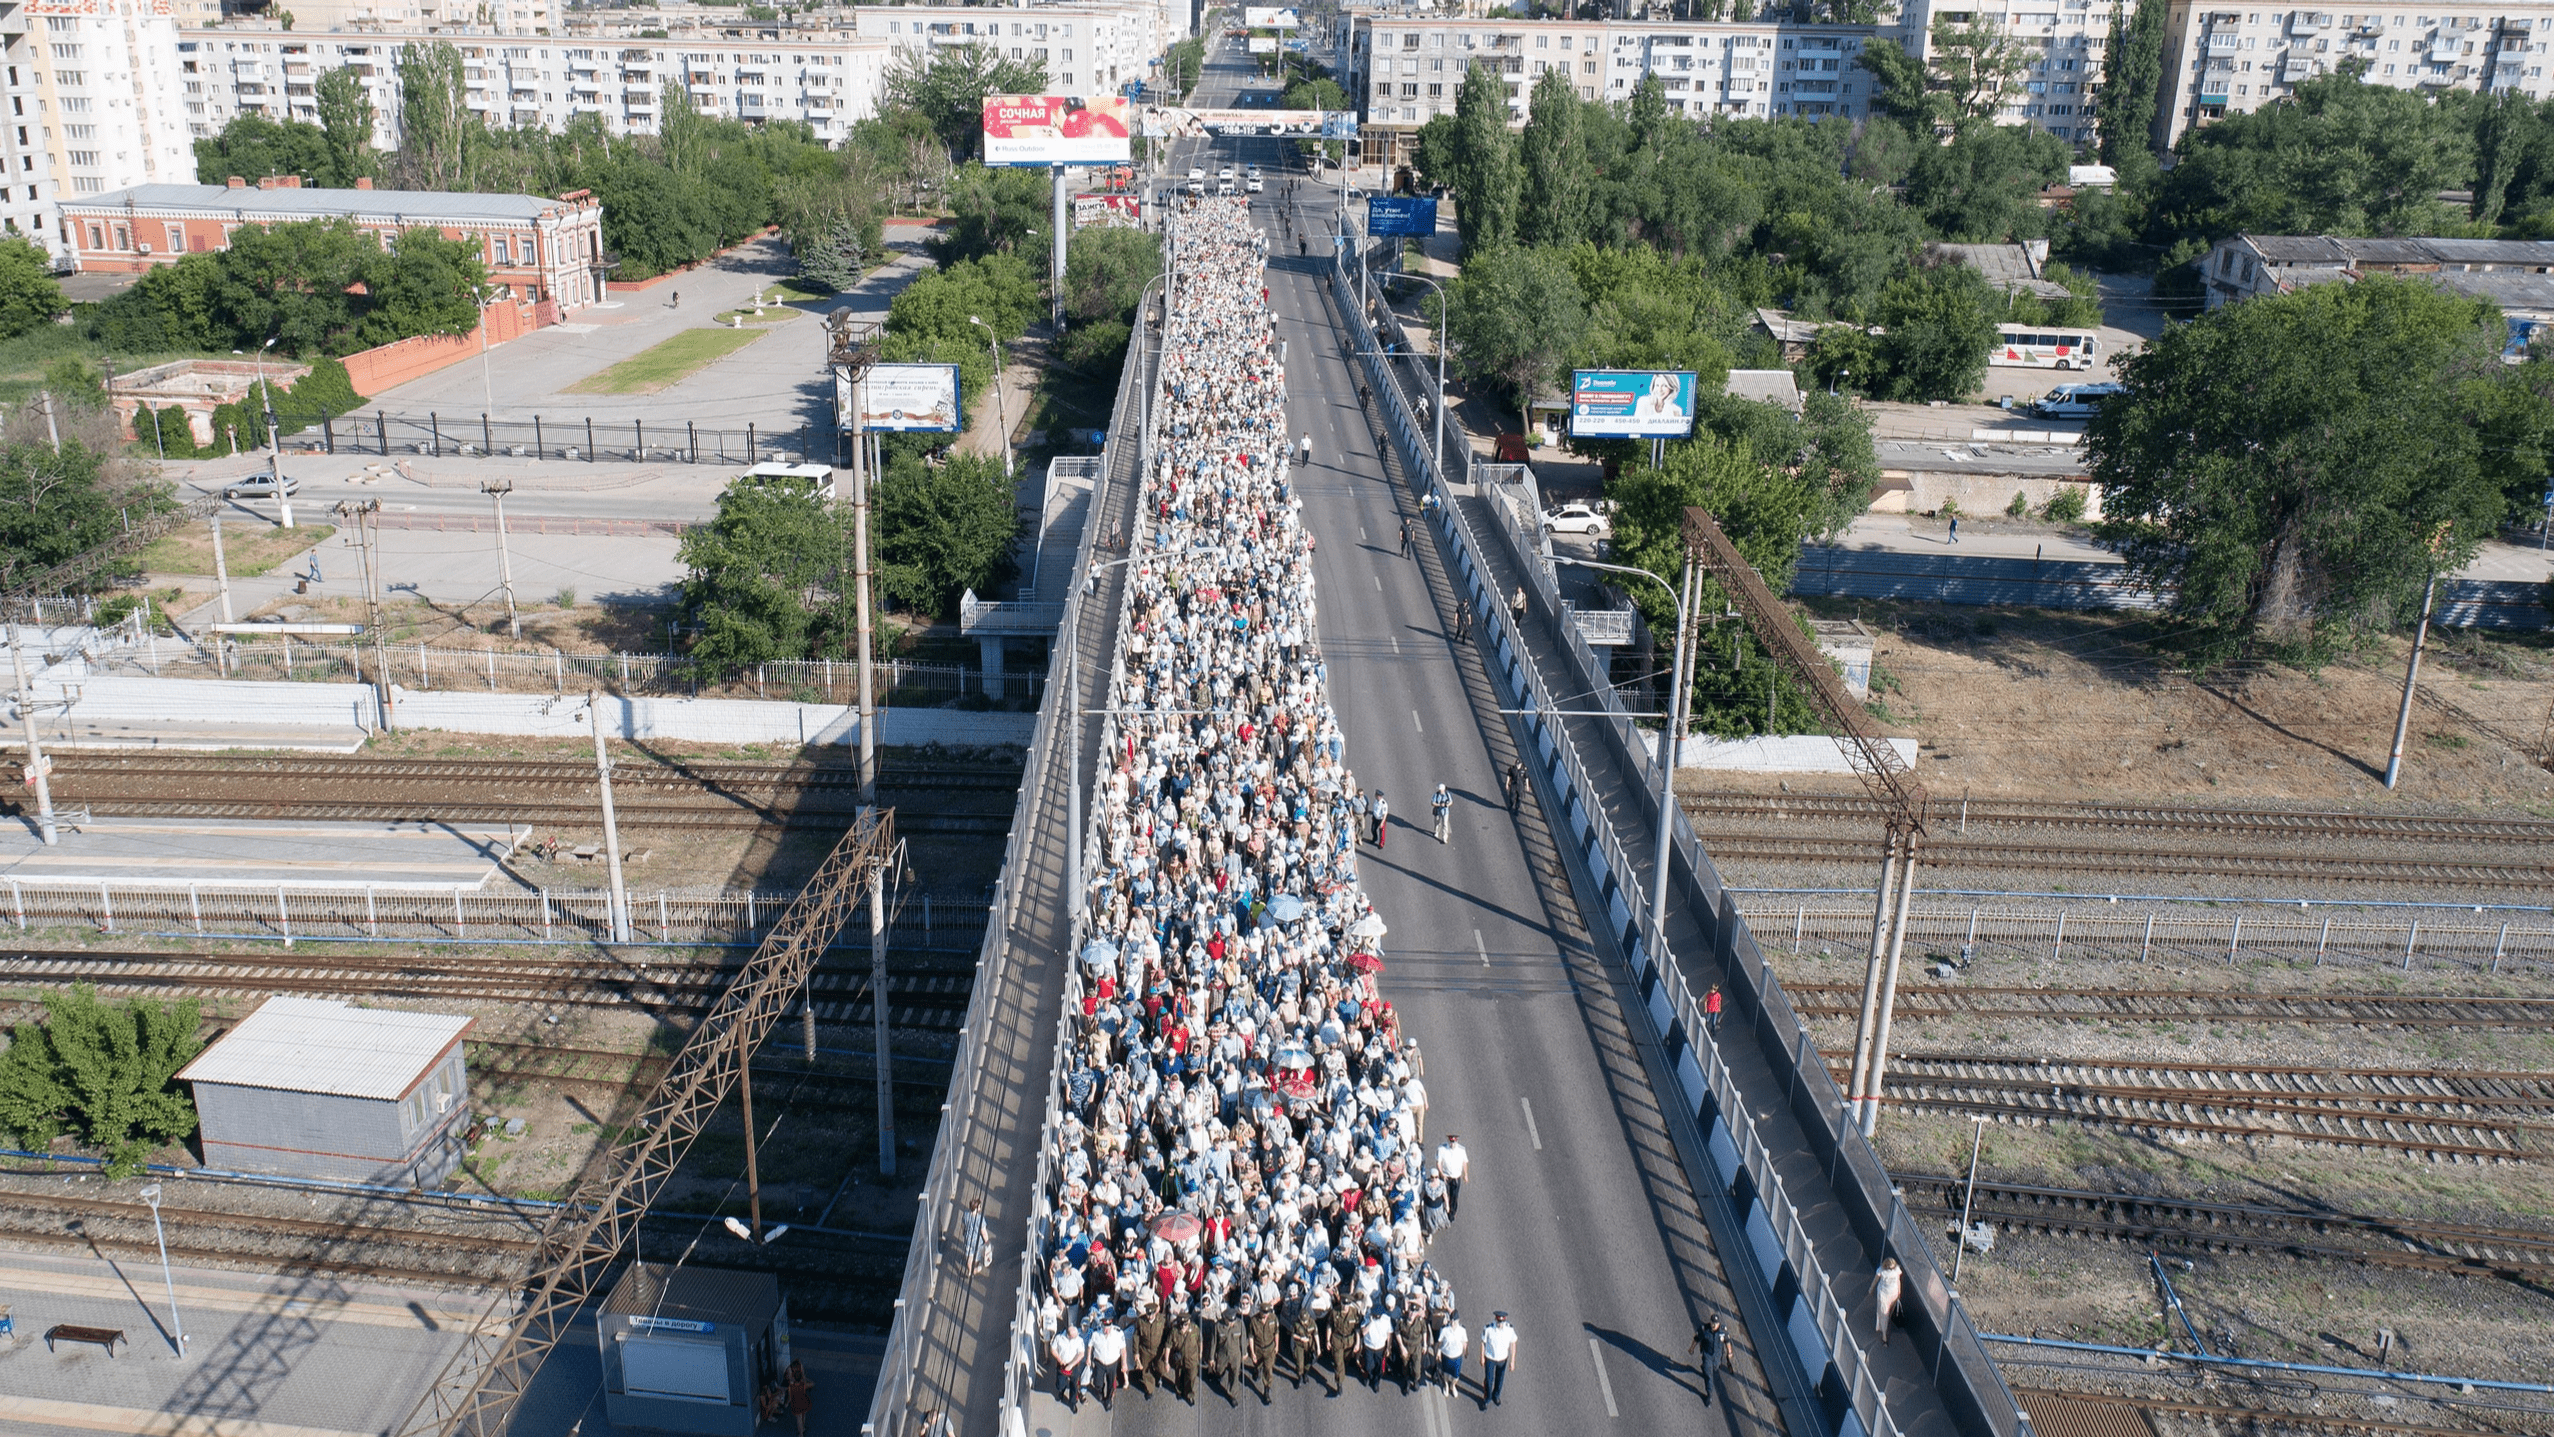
{"x": 1604, "y": 1383}
{"x": 1414, "y": 721}
{"x": 1480, "y": 947}
{"x": 1378, "y": 583}
{"x": 1396, "y": 644}
{"x": 1532, "y": 1131}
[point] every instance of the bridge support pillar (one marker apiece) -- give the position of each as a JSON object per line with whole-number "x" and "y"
{"x": 992, "y": 648}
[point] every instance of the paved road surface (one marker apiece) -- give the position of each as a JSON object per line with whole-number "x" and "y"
{"x": 1578, "y": 1220}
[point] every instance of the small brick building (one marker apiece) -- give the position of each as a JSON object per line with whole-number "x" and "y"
{"x": 309, "y": 1087}
{"x": 547, "y": 252}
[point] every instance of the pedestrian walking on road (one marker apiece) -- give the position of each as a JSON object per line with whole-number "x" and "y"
{"x": 1955, "y": 528}
{"x": 978, "y": 1239}
{"x": 1452, "y": 1342}
{"x": 1383, "y": 818}
{"x": 1463, "y": 624}
{"x": 802, "y": 1394}
{"x": 1406, "y": 546}
{"x": 1308, "y": 449}
{"x": 1067, "y": 1349}
{"x": 1108, "y": 1360}
{"x": 1885, "y": 1285}
{"x": 1498, "y": 1358}
{"x": 1712, "y": 1345}
{"x": 1516, "y": 785}
{"x": 1443, "y": 805}
{"x": 1711, "y": 1011}
{"x": 1374, "y": 1344}
{"x": 1455, "y": 1164}
{"x": 1516, "y": 607}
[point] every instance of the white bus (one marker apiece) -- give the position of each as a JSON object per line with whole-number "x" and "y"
{"x": 2021, "y": 347}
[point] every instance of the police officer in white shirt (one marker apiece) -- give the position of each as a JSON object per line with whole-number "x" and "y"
{"x": 1498, "y": 1356}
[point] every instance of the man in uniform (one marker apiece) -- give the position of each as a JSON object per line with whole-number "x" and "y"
{"x": 1416, "y": 1341}
{"x": 1343, "y": 1339}
{"x": 1150, "y": 1328}
{"x": 1303, "y": 1338}
{"x": 1231, "y": 1349}
{"x": 1263, "y": 1349}
{"x": 1188, "y": 1353}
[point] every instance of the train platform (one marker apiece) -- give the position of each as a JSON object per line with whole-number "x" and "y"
{"x": 241, "y": 853}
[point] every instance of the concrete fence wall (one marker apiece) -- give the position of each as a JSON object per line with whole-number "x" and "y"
{"x": 109, "y": 701}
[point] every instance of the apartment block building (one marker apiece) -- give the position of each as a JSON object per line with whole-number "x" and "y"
{"x": 1407, "y": 69}
{"x": 2061, "y": 43}
{"x": 2223, "y": 61}
{"x": 500, "y": 17}
{"x": 92, "y": 98}
{"x": 830, "y": 81}
{"x": 1088, "y": 49}
{"x": 27, "y": 198}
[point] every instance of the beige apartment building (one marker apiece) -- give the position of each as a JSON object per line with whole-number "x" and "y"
{"x": 93, "y": 87}
{"x": 2226, "y": 60}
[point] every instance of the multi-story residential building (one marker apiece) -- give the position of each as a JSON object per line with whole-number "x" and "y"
{"x": 2225, "y": 60}
{"x": 1088, "y": 49}
{"x": 499, "y": 17}
{"x": 93, "y": 85}
{"x": 541, "y": 250}
{"x": 1407, "y": 70}
{"x": 27, "y": 198}
{"x": 829, "y": 80}
{"x": 2061, "y": 44}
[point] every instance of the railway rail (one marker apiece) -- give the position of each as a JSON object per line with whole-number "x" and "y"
{"x": 1942, "y": 853}
{"x": 2054, "y": 1401}
{"x": 2480, "y": 1115}
{"x": 1853, "y": 808}
{"x": 2190, "y": 1225}
{"x": 2368, "y": 1010}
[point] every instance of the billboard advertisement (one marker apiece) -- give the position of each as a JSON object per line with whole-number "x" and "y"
{"x": 1056, "y": 130}
{"x": 1401, "y": 215}
{"x": 1116, "y": 212}
{"x": 916, "y": 397}
{"x": 1173, "y": 123}
{"x": 1631, "y": 403}
{"x": 1266, "y": 46}
{"x": 1269, "y": 17}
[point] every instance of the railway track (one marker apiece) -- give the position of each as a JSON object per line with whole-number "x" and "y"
{"x": 2194, "y": 1226}
{"x": 927, "y": 998}
{"x": 76, "y": 765}
{"x": 1941, "y": 852}
{"x": 2481, "y": 1115}
{"x": 2055, "y": 1402}
{"x": 1945, "y": 816}
{"x": 2366, "y": 1010}
{"x": 632, "y": 814}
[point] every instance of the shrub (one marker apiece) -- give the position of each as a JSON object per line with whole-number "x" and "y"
{"x": 2066, "y": 506}
{"x": 2020, "y": 507}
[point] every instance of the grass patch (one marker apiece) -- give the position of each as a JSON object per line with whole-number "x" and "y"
{"x": 246, "y": 552}
{"x": 659, "y": 365}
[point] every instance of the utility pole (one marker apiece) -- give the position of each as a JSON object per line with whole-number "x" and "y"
{"x": 611, "y": 829}
{"x": 885, "y": 1060}
{"x": 50, "y": 430}
{"x": 853, "y": 356}
{"x": 753, "y": 1169}
{"x": 177, "y": 1329}
{"x": 39, "y": 773}
{"x": 365, "y": 515}
{"x": 222, "y": 583}
{"x": 1063, "y": 231}
{"x": 2411, "y": 676}
{"x": 497, "y": 489}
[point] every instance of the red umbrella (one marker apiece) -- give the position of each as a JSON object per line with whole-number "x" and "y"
{"x": 1296, "y": 1083}
{"x": 1365, "y": 962}
{"x": 1177, "y": 1227}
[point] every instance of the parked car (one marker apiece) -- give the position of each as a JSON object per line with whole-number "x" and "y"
{"x": 1577, "y": 518}
{"x": 258, "y": 486}
{"x": 2073, "y": 401}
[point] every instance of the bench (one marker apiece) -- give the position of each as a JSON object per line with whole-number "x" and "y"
{"x": 105, "y": 1337}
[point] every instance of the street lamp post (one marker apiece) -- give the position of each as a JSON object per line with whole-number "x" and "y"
{"x": 1001, "y": 411}
{"x": 1682, "y": 683}
{"x": 497, "y": 489}
{"x": 177, "y": 1329}
{"x": 1436, "y": 401}
{"x": 487, "y": 295}
{"x": 274, "y": 437}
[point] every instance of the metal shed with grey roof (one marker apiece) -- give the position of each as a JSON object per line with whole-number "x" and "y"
{"x": 685, "y": 1349}
{"x": 311, "y": 1087}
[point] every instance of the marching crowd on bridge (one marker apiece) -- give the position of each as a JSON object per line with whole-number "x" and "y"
{"x": 1241, "y": 1170}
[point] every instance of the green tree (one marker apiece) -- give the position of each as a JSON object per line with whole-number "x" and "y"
{"x": 1553, "y": 158}
{"x": 54, "y": 505}
{"x": 2132, "y": 81}
{"x": 762, "y": 573}
{"x": 106, "y": 1072}
{"x": 1937, "y": 326}
{"x": 1902, "y": 91}
{"x": 254, "y": 147}
{"x": 1484, "y": 177}
{"x": 832, "y": 221}
{"x": 1976, "y": 64}
{"x": 426, "y": 285}
{"x": 1433, "y": 149}
{"x": 944, "y": 529}
{"x": 1515, "y": 316}
{"x": 345, "y": 124}
{"x": 29, "y": 299}
{"x": 295, "y": 281}
{"x": 435, "y": 123}
{"x": 2288, "y": 469}
{"x": 1984, "y": 186}
{"x": 2343, "y": 158}
{"x": 1106, "y": 271}
{"x": 2506, "y": 129}
{"x": 995, "y": 209}
{"x": 948, "y": 87}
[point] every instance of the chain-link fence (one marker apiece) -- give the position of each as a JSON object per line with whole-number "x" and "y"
{"x": 129, "y": 651}
{"x": 569, "y": 436}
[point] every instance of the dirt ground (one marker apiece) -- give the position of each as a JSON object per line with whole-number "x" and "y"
{"x": 2042, "y": 704}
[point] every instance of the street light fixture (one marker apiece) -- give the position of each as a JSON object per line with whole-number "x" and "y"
{"x": 1436, "y": 401}
{"x": 177, "y": 1329}
{"x": 1682, "y": 670}
{"x": 1001, "y": 411}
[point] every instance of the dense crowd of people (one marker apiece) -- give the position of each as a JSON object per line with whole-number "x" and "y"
{"x": 1241, "y": 1168}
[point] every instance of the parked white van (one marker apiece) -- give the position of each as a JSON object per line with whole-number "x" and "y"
{"x": 2073, "y": 401}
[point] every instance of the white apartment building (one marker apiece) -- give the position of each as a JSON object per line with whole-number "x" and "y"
{"x": 28, "y": 203}
{"x": 2062, "y": 44}
{"x": 830, "y": 81}
{"x": 2221, "y": 61}
{"x": 1407, "y": 71}
{"x": 1088, "y": 49}
{"x": 92, "y": 86}
{"x": 502, "y": 17}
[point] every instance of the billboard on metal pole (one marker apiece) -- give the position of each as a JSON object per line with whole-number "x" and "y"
{"x": 1056, "y": 130}
{"x": 1631, "y": 403}
{"x": 1401, "y": 215}
{"x": 1263, "y": 45}
{"x": 1173, "y": 122}
{"x": 909, "y": 397}
{"x": 1118, "y": 212}
{"x": 1270, "y": 17}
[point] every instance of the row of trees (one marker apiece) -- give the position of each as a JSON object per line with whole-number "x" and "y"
{"x": 313, "y": 287}
{"x": 102, "y": 1072}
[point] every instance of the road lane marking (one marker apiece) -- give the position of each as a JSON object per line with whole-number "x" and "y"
{"x": 1432, "y": 1411}
{"x": 1378, "y": 583}
{"x": 1361, "y": 531}
{"x": 1414, "y": 719}
{"x": 1604, "y": 1383}
{"x": 1480, "y": 947}
{"x": 1532, "y": 1131}
{"x": 1396, "y": 645}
